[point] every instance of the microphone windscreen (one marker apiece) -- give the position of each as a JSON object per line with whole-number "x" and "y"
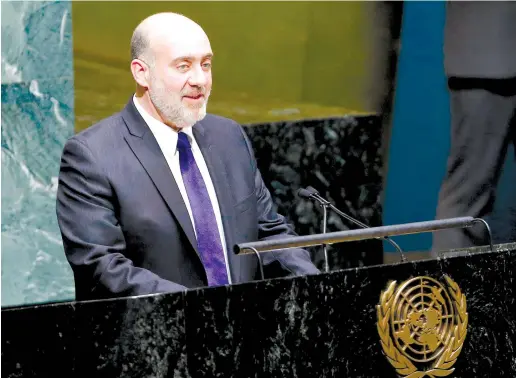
{"x": 303, "y": 193}
{"x": 312, "y": 190}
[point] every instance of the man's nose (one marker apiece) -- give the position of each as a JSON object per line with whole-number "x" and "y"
{"x": 198, "y": 77}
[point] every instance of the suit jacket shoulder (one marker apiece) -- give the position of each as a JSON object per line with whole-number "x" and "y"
{"x": 225, "y": 132}
{"x": 103, "y": 135}
{"x": 222, "y": 125}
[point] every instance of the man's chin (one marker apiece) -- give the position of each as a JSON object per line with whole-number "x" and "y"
{"x": 190, "y": 121}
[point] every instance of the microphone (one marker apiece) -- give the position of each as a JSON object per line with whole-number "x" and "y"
{"x": 304, "y": 193}
{"x": 312, "y": 193}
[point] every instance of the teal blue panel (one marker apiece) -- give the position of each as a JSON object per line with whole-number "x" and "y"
{"x": 420, "y": 130}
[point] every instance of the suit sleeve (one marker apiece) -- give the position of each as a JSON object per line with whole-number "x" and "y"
{"x": 93, "y": 240}
{"x": 272, "y": 225}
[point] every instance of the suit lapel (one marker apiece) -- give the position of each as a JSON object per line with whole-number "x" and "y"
{"x": 147, "y": 150}
{"x": 219, "y": 177}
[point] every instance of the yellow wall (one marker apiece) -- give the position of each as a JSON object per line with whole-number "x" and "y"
{"x": 273, "y": 60}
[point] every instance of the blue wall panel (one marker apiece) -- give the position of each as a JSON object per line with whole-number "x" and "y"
{"x": 420, "y": 130}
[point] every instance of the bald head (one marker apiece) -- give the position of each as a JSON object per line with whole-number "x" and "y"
{"x": 161, "y": 29}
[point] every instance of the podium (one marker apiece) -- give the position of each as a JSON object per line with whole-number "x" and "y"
{"x": 451, "y": 316}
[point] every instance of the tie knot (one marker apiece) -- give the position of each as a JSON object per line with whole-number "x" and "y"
{"x": 182, "y": 141}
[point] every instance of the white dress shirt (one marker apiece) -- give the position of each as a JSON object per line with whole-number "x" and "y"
{"x": 167, "y": 140}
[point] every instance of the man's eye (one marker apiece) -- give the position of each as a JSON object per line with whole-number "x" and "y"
{"x": 206, "y": 65}
{"x": 182, "y": 67}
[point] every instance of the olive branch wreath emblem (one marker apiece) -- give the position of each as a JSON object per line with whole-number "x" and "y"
{"x": 443, "y": 366}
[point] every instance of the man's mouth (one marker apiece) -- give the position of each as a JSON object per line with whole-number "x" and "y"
{"x": 194, "y": 97}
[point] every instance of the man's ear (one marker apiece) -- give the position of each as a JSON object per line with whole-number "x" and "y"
{"x": 139, "y": 69}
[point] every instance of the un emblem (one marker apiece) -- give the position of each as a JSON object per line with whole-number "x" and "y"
{"x": 422, "y": 326}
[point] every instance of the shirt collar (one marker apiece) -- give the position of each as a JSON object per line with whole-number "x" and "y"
{"x": 160, "y": 130}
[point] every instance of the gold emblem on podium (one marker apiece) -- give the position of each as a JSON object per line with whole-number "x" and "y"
{"x": 422, "y": 326}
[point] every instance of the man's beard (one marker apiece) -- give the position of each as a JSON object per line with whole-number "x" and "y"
{"x": 172, "y": 109}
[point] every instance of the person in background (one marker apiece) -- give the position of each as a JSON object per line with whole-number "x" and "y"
{"x": 480, "y": 63}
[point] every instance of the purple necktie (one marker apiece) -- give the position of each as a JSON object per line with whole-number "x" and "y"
{"x": 208, "y": 238}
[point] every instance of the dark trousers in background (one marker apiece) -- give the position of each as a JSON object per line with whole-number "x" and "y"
{"x": 483, "y": 123}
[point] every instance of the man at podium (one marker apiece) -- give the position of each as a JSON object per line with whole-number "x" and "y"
{"x": 153, "y": 198}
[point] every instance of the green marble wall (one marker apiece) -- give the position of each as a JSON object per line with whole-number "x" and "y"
{"x": 37, "y": 118}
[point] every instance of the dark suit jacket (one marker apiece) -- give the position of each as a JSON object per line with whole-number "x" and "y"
{"x": 125, "y": 228}
{"x": 480, "y": 39}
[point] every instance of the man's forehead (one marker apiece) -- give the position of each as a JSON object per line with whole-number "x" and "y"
{"x": 177, "y": 37}
{"x": 176, "y": 47}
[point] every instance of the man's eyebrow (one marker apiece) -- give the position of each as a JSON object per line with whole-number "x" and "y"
{"x": 190, "y": 58}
